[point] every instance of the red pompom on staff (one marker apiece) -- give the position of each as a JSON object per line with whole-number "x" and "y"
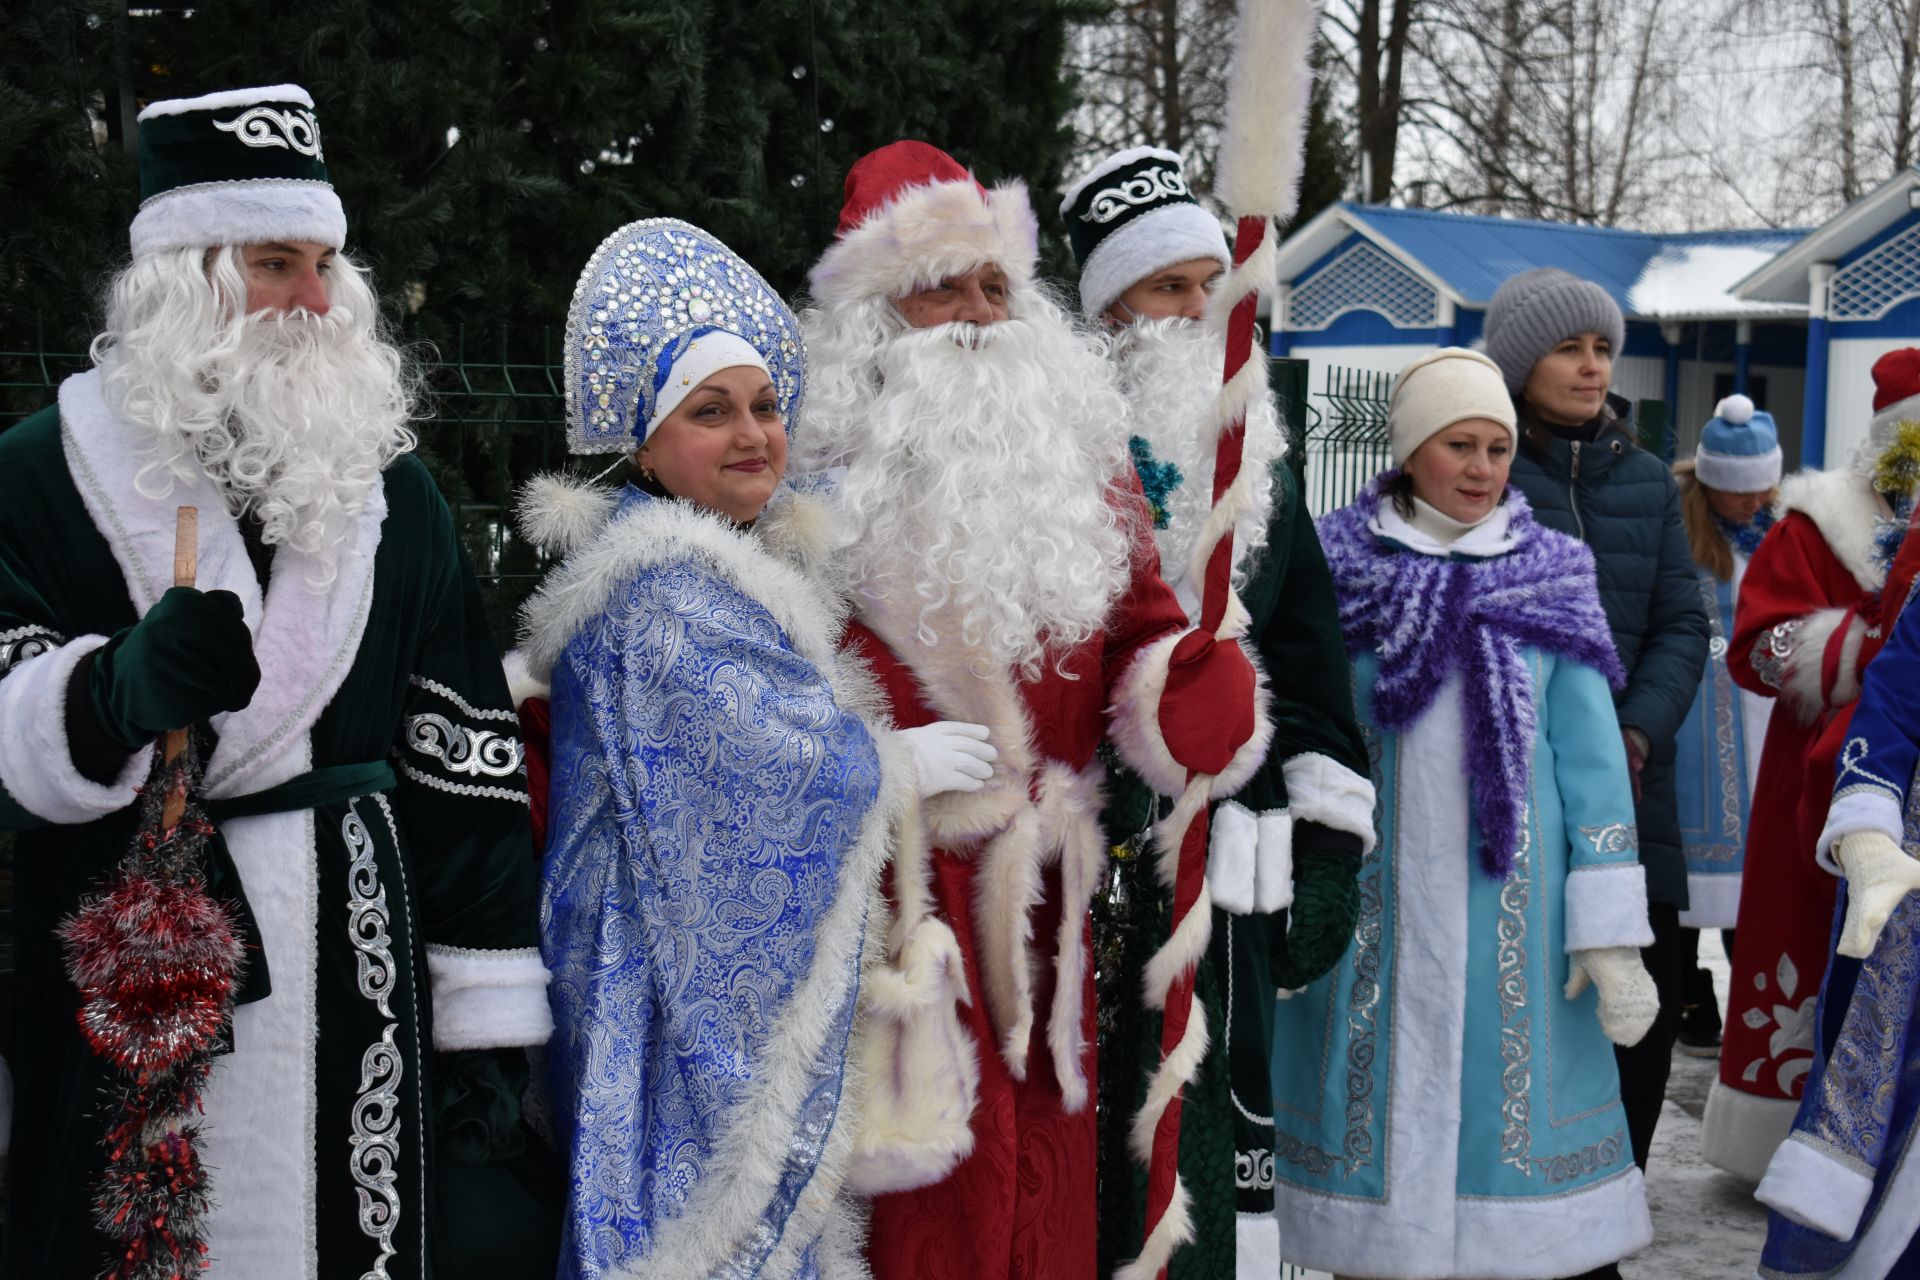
{"x": 156, "y": 959}
{"x": 1261, "y": 153}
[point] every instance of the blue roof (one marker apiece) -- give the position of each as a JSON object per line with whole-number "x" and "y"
{"x": 1474, "y": 254}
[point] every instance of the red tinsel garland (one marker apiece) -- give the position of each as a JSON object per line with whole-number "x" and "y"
{"x": 156, "y": 960}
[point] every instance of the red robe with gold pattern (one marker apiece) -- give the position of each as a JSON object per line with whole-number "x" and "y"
{"x": 1808, "y": 602}
{"x": 1013, "y": 870}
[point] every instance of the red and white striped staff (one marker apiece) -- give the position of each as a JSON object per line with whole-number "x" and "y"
{"x": 1261, "y": 154}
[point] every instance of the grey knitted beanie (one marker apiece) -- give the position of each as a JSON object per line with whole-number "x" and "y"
{"x": 1537, "y": 310}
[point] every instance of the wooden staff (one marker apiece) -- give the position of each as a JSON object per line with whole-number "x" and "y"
{"x": 186, "y": 567}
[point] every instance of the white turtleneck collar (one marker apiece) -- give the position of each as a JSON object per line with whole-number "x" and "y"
{"x": 1432, "y": 532}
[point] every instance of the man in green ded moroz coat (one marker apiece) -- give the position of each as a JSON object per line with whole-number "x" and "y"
{"x": 361, "y": 760}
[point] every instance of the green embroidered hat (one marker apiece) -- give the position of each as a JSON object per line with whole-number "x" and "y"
{"x": 1132, "y": 216}
{"x": 240, "y": 167}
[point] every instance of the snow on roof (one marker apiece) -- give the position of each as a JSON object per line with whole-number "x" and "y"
{"x": 1695, "y": 281}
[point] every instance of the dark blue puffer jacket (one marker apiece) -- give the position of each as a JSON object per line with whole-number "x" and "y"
{"x": 1621, "y": 501}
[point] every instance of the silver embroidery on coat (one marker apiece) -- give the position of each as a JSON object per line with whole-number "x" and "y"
{"x": 1516, "y": 1024}
{"x": 291, "y": 130}
{"x": 1578, "y": 1164}
{"x": 465, "y": 708}
{"x": 472, "y": 752}
{"x": 20, "y": 643}
{"x": 1253, "y": 1170}
{"x": 1851, "y": 757}
{"x": 1773, "y": 653}
{"x": 1613, "y": 838}
{"x": 375, "y": 1139}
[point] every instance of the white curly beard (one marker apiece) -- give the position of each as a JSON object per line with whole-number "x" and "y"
{"x": 1170, "y": 374}
{"x": 293, "y": 416}
{"x": 981, "y": 465}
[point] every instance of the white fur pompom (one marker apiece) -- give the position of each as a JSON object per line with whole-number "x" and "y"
{"x": 560, "y": 512}
{"x": 1735, "y": 409}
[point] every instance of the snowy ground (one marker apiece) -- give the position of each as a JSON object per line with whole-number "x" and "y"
{"x": 1706, "y": 1225}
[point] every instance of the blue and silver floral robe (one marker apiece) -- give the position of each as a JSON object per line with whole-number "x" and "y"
{"x": 1845, "y": 1185}
{"x": 718, "y": 822}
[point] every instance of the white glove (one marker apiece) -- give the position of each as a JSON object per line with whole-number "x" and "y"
{"x": 1879, "y": 874}
{"x": 949, "y": 755}
{"x": 1628, "y": 1001}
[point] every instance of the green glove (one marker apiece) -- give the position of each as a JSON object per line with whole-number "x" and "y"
{"x": 1310, "y": 939}
{"x": 477, "y": 1104}
{"x": 189, "y": 658}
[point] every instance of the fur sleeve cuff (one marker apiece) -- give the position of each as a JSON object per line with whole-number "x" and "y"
{"x": 488, "y": 999}
{"x": 1607, "y": 907}
{"x": 36, "y": 762}
{"x": 1805, "y": 688}
{"x": 1321, "y": 789}
{"x": 1859, "y": 808}
{"x": 1815, "y": 1188}
{"x": 1135, "y": 721}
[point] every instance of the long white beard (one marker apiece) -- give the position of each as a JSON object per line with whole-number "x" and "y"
{"x": 980, "y": 473}
{"x": 1170, "y": 373}
{"x": 293, "y": 417}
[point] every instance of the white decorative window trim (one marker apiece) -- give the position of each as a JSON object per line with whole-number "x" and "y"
{"x": 1877, "y": 281}
{"x": 461, "y": 788}
{"x": 1364, "y": 278}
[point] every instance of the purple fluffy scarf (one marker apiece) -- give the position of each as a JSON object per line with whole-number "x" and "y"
{"x": 1426, "y": 617}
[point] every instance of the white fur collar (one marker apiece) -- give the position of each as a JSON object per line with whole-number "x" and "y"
{"x": 305, "y": 642}
{"x": 767, "y": 564}
{"x": 1842, "y": 505}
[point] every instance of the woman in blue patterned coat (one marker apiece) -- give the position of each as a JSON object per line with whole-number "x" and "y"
{"x": 1446, "y": 1104}
{"x": 721, "y": 805}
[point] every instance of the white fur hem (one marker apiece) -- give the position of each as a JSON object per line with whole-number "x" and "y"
{"x": 1135, "y": 725}
{"x": 1256, "y": 1246}
{"x": 1815, "y": 1188}
{"x": 1321, "y": 789}
{"x": 36, "y": 760}
{"x": 1865, "y": 809}
{"x": 925, "y": 234}
{"x": 1607, "y": 907}
{"x": 1803, "y": 689}
{"x": 1233, "y": 849}
{"x": 1729, "y": 474}
{"x": 246, "y": 211}
{"x": 1740, "y": 1131}
{"x": 1153, "y": 242}
{"x": 488, "y": 999}
{"x": 1713, "y": 900}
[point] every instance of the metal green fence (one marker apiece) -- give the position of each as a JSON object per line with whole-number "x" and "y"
{"x": 1347, "y": 446}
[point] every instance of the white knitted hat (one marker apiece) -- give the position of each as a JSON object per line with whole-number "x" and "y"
{"x": 1441, "y": 388}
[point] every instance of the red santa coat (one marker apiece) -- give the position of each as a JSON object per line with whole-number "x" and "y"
{"x": 1013, "y": 870}
{"x": 1806, "y": 606}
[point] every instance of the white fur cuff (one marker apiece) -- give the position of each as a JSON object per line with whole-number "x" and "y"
{"x": 1713, "y": 900}
{"x": 1273, "y": 870}
{"x": 1135, "y": 725}
{"x": 1803, "y": 689}
{"x": 1321, "y": 789}
{"x": 1233, "y": 850}
{"x": 488, "y": 999}
{"x": 1607, "y": 907}
{"x": 1815, "y": 1188}
{"x": 1862, "y": 808}
{"x": 522, "y": 683}
{"x": 36, "y": 761}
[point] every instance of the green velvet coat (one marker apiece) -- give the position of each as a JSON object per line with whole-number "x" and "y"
{"x": 1226, "y": 1137}
{"x": 389, "y": 890}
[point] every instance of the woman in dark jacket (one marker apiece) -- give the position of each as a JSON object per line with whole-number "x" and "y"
{"x": 1555, "y": 337}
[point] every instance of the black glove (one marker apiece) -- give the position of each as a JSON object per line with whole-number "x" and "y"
{"x": 191, "y": 657}
{"x": 1310, "y": 939}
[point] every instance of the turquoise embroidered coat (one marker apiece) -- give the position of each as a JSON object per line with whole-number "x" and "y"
{"x": 1440, "y": 1108}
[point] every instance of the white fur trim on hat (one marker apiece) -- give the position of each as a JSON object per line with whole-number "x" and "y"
{"x": 927, "y": 233}
{"x": 1441, "y": 388}
{"x": 1755, "y": 473}
{"x": 207, "y": 215}
{"x": 226, "y": 100}
{"x": 1152, "y": 242}
{"x": 705, "y": 356}
{"x": 1880, "y": 426}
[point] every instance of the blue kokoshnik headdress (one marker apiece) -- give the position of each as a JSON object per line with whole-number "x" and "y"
{"x": 661, "y": 295}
